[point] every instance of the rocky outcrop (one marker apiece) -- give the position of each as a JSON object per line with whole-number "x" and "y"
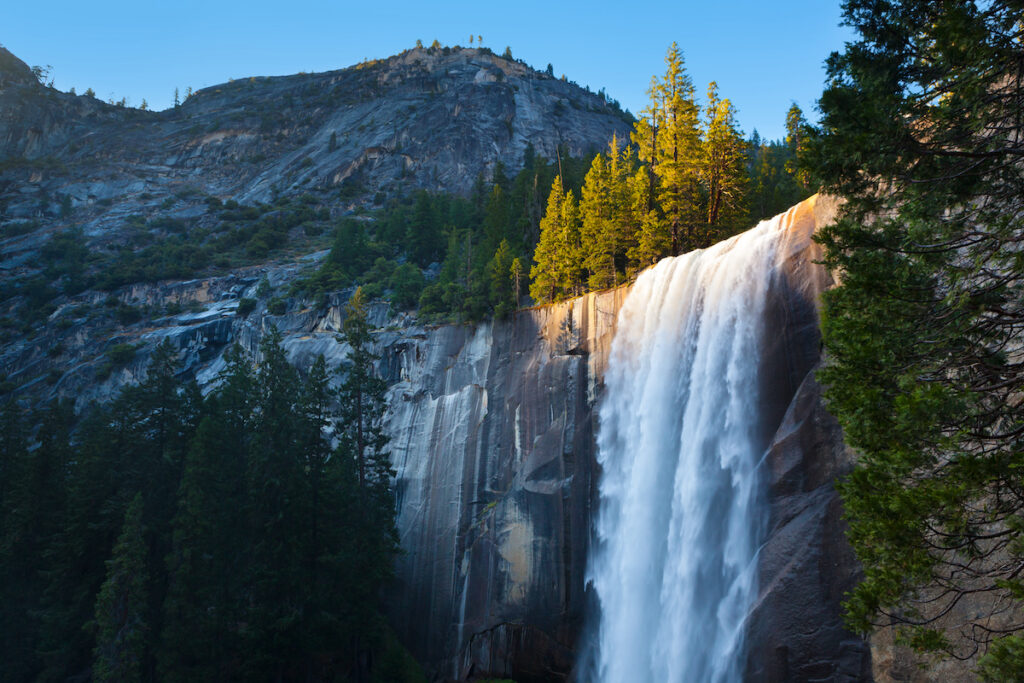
{"x": 426, "y": 118}
{"x": 13, "y": 71}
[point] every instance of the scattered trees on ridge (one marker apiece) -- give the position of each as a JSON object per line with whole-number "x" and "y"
{"x": 680, "y": 185}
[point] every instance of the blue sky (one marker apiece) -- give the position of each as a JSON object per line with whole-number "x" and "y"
{"x": 763, "y": 55}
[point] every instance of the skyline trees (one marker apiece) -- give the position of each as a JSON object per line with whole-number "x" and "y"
{"x": 680, "y": 184}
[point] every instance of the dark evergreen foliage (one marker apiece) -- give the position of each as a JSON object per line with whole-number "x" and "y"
{"x": 921, "y": 133}
{"x": 175, "y": 538}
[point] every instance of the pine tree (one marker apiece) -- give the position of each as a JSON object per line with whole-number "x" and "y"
{"x": 645, "y": 137}
{"x": 598, "y": 243}
{"x": 921, "y": 134}
{"x": 13, "y": 446}
{"x": 544, "y": 273}
{"x": 798, "y": 133}
{"x": 423, "y": 235}
{"x": 32, "y": 499}
{"x": 625, "y": 218}
{"x": 499, "y": 272}
{"x": 516, "y": 273}
{"x": 316, "y": 406}
{"x": 678, "y": 151}
{"x": 332, "y": 513}
{"x": 93, "y": 517}
{"x": 608, "y": 221}
{"x": 558, "y": 262}
{"x": 361, "y": 398}
{"x": 569, "y": 257}
{"x": 362, "y": 451}
{"x": 208, "y": 556}
{"x": 496, "y": 218}
{"x": 723, "y": 166}
{"x": 652, "y": 236}
{"x": 121, "y": 606}
{"x": 134, "y": 444}
{"x": 277, "y": 492}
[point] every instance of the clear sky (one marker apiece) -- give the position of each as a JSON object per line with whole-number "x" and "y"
{"x": 764, "y": 55}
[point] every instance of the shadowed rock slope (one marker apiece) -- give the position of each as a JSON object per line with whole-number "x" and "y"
{"x": 307, "y": 149}
{"x": 426, "y": 118}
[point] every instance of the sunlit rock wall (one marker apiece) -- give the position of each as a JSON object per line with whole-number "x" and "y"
{"x": 492, "y": 437}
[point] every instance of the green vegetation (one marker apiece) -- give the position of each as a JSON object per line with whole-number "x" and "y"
{"x": 175, "y": 538}
{"x": 245, "y": 307}
{"x": 16, "y": 229}
{"x": 277, "y": 306}
{"x": 121, "y": 604}
{"x": 120, "y": 354}
{"x": 473, "y": 244}
{"x": 165, "y": 248}
{"x": 921, "y": 135}
{"x": 688, "y": 180}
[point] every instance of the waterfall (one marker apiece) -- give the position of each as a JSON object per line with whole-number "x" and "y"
{"x": 681, "y": 513}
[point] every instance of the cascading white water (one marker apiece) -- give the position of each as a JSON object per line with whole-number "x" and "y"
{"x": 680, "y": 518}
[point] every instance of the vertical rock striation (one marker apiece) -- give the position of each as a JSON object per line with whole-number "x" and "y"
{"x": 493, "y": 439}
{"x": 795, "y": 629}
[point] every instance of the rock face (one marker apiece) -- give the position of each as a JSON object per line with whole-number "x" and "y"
{"x": 806, "y": 565}
{"x": 497, "y": 483}
{"x": 426, "y": 118}
{"x": 493, "y": 432}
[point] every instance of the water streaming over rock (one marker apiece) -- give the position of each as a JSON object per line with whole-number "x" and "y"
{"x": 680, "y": 440}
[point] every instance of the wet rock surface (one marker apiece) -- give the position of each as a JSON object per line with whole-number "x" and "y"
{"x": 796, "y": 632}
{"x": 495, "y": 454}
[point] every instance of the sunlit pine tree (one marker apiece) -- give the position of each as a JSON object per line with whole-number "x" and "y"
{"x": 544, "y": 273}
{"x": 798, "y": 133}
{"x": 597, "y": 231}
{"x": 678, "y": 153}
{"x": 723, "y": 165}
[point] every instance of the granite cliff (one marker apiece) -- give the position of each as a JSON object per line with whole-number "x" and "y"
{"x": 431, "y": 118}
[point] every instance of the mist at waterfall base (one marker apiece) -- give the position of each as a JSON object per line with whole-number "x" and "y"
{"x": 681, "y": 510}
